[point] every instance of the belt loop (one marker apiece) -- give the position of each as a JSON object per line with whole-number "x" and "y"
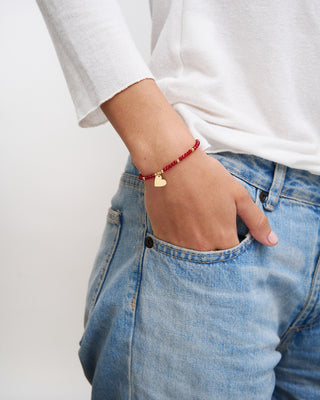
{"x": 279, "y": 175}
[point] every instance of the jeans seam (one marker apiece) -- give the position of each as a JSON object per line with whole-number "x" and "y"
{"x": 300, "y": 200}
{"x": 134, "y": 306}
{"x": 240, "y": 251}
{"x": 238, "y": 174}
{"x": 106, "y": 265}
{"x": 131, "y": 180}
{"x": 303, "y": 312}
{"x": 113, "y": 216}
{"x": 305, "y": 326}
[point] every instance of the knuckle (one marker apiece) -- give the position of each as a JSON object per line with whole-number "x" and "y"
{"x": 262, "y": 221}
{"x": 243, "y": 195}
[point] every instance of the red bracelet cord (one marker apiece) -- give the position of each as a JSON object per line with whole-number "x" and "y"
{"x": 159, "y": 181}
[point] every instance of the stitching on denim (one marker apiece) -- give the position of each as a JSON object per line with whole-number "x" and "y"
{"x": 132, "y": 184}
{"x": 314, "y": 289}
{"x": 236, "y": 253}
{"x": 131, "y": 180}
{"x": 300, "y": 200}
{"x": 112, "y": 221}
{"x": 238, "y": 174}
{"x": 113, "y": 216}
{"x": 284, "y": 341}
{"x": 104, "y": 269}
{"x": 275, "y": 190}
{"x": 306, "y": 326}
{"x": 308, "y": 302}
{"x": 135, "y": 301}
{"x": 245, "y": 179}
{"x": 293, "y": 329}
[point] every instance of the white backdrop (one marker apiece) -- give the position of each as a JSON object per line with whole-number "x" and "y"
{"x": 56, "y": 184}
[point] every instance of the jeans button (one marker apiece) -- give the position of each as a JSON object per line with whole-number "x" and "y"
{"x": 263, "y": 197}
{"x": 149, "y": 242}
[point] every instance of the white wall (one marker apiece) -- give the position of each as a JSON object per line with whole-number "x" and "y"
{"x": 56, "y": 183}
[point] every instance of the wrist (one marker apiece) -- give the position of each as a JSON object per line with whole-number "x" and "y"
{"x": 160, "y": 149}
{"x": 157, "y": 176}
{"x": 183, "y": 172}
{"x": 151, "y": 129}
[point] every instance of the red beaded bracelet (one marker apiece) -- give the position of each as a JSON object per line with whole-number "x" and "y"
{"x": 158, "y": 180}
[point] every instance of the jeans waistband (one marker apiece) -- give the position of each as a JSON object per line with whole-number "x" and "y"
{"x": 275, "y": 179}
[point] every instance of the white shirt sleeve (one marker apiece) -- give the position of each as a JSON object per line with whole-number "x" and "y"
{"x": 96, "y": 52}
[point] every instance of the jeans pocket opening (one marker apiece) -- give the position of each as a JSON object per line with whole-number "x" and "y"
{"x": 198, "y": 256}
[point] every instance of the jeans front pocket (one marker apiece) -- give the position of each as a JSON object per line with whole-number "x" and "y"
{"x": 104, "y": 256}
{"x": 197, "y": 323}
{"x": 245, "y": 239}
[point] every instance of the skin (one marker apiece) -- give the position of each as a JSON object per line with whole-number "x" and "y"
{"x": 197, "y": 208}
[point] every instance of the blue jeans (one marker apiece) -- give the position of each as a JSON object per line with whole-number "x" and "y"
{"x": 165, "y": 322}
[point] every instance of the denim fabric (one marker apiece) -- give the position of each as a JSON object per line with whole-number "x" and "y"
{"x": 165, "y": 322}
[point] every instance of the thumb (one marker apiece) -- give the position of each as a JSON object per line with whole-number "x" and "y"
{"x": 255, "y": 220}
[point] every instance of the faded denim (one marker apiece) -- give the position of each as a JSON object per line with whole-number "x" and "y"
{"x": 164, "y": 322}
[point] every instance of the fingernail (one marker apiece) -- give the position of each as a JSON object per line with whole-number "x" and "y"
{"x": 273, "y": 238}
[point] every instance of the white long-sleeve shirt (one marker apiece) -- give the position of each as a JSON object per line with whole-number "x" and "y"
{"x": 244, "y": 75}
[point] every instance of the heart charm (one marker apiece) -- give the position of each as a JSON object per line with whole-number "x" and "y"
{"x": 159, "y": 181}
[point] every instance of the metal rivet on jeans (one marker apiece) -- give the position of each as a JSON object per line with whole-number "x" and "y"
{"x": 148, "y": 242}
{"x": 263, "y": 197}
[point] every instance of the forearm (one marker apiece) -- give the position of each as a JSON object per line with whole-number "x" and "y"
{"x": 148, "y": 125}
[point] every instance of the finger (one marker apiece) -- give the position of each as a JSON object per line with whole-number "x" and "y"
{"x": 255, "y": 220}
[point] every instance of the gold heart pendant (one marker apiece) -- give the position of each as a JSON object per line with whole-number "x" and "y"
{"x": 159, "y": 181}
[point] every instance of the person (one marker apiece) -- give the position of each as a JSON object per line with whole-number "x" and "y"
{"x": 207, "y": 285}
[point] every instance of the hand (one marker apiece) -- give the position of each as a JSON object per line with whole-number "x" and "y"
{"x": 197, "y": 208}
